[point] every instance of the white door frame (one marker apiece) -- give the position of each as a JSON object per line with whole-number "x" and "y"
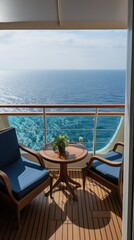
{"x": 129, "y": 133}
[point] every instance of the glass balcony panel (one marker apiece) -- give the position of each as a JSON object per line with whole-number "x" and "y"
{"x": 106, "y": 128}
{"x": 30, "y": 129}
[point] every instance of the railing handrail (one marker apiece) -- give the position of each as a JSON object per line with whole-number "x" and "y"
{"x": 65, "y": 113}
{"x": 62, "y": 105}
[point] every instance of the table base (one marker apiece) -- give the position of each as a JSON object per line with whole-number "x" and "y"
{"x": 64, "y": 177}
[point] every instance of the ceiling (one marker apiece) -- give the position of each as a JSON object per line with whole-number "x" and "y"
{"x": 63, "y": 14}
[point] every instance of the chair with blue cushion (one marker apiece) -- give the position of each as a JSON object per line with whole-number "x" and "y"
{"x": 21, "y": 180}
{"x": 108, "y": 169}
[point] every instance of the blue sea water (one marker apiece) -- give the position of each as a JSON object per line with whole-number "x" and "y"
{"x": 63, "y": 86}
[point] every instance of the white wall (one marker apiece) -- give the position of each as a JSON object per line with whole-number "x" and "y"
{"x": 129, "y": 133}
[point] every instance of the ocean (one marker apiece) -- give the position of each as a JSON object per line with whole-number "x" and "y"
{"x": 58, "y": 87}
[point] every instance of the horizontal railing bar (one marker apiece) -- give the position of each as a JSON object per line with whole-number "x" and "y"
{"x": 62, "y": 105}
{"x": 80, "y": 129}
{"x": 62, "y": 113}
{"x": 72, "y": 129}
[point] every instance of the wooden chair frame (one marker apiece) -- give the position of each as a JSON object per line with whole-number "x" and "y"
{"x": 118, "y": 188}
{"x": 20, "y": 204}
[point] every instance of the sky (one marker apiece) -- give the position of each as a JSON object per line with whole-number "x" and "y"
{"x": 63, "y": 49}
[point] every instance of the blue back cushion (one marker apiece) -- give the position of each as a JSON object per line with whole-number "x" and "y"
{"x": 9, "y": 148}
{"x": 106, "y": 171}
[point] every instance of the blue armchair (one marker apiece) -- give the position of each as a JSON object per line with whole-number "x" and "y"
{"x": 20, "y": 179}
{"x": 108, "y": 169}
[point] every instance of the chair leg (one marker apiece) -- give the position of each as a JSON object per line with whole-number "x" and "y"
{"x": 51, "y": 184}
{"x": 18, "y": 218}
{"x": 84, "y": 177}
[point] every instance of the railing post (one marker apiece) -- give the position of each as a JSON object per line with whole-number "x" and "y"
{"x": 94, "y": 136}
{"x": 45, "y": 126}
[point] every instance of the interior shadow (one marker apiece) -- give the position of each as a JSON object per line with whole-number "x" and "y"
{"x": 88, "y": 212}
{"x": 40, "y": 217}
{"x": 55, "y": 219}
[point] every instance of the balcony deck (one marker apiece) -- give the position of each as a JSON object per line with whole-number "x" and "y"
{"x": 96, "y": 215}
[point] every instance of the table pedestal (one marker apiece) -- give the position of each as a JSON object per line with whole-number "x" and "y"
{"x": 64, "y": 177}
{"x": 75, "y": 152}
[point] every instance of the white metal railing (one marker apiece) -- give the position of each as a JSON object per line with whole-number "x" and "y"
{"x": 95, "y": 126}
{"x": 96, "y": 111}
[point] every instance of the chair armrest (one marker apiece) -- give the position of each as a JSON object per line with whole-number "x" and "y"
{"x": 34, "y": 153}
{"x": 7, "y": 184}
{"x": 118, "y": 144}
{"x": 103, "y": 160}
{"x": 106, "y": 161}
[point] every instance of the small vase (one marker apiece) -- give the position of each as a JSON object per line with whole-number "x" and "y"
{"x": 61, "y": 150}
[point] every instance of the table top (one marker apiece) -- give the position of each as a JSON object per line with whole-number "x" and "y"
{"x": 74, "y": 153}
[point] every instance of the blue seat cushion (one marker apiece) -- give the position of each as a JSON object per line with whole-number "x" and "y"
{"x": 108, "y": 172}
{"x": 9, "y": 148}
{"x": 24, "y": 176}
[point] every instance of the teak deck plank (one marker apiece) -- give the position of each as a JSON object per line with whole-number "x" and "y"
{"x": 95, "y": 216}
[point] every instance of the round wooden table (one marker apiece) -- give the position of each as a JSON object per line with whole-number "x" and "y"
{"x": 74, "y": 152}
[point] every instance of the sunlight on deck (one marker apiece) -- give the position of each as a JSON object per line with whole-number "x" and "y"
{"x": 96, "y": 215}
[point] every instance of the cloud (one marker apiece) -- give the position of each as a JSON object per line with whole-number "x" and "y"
{"x": 90, "y": 38}
{"x": 61, "y": 48}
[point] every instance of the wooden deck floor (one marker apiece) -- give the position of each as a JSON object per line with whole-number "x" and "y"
{"x": 96, "y": 215}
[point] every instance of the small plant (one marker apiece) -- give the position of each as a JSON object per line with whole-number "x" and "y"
{"x": 60, "y": 143}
